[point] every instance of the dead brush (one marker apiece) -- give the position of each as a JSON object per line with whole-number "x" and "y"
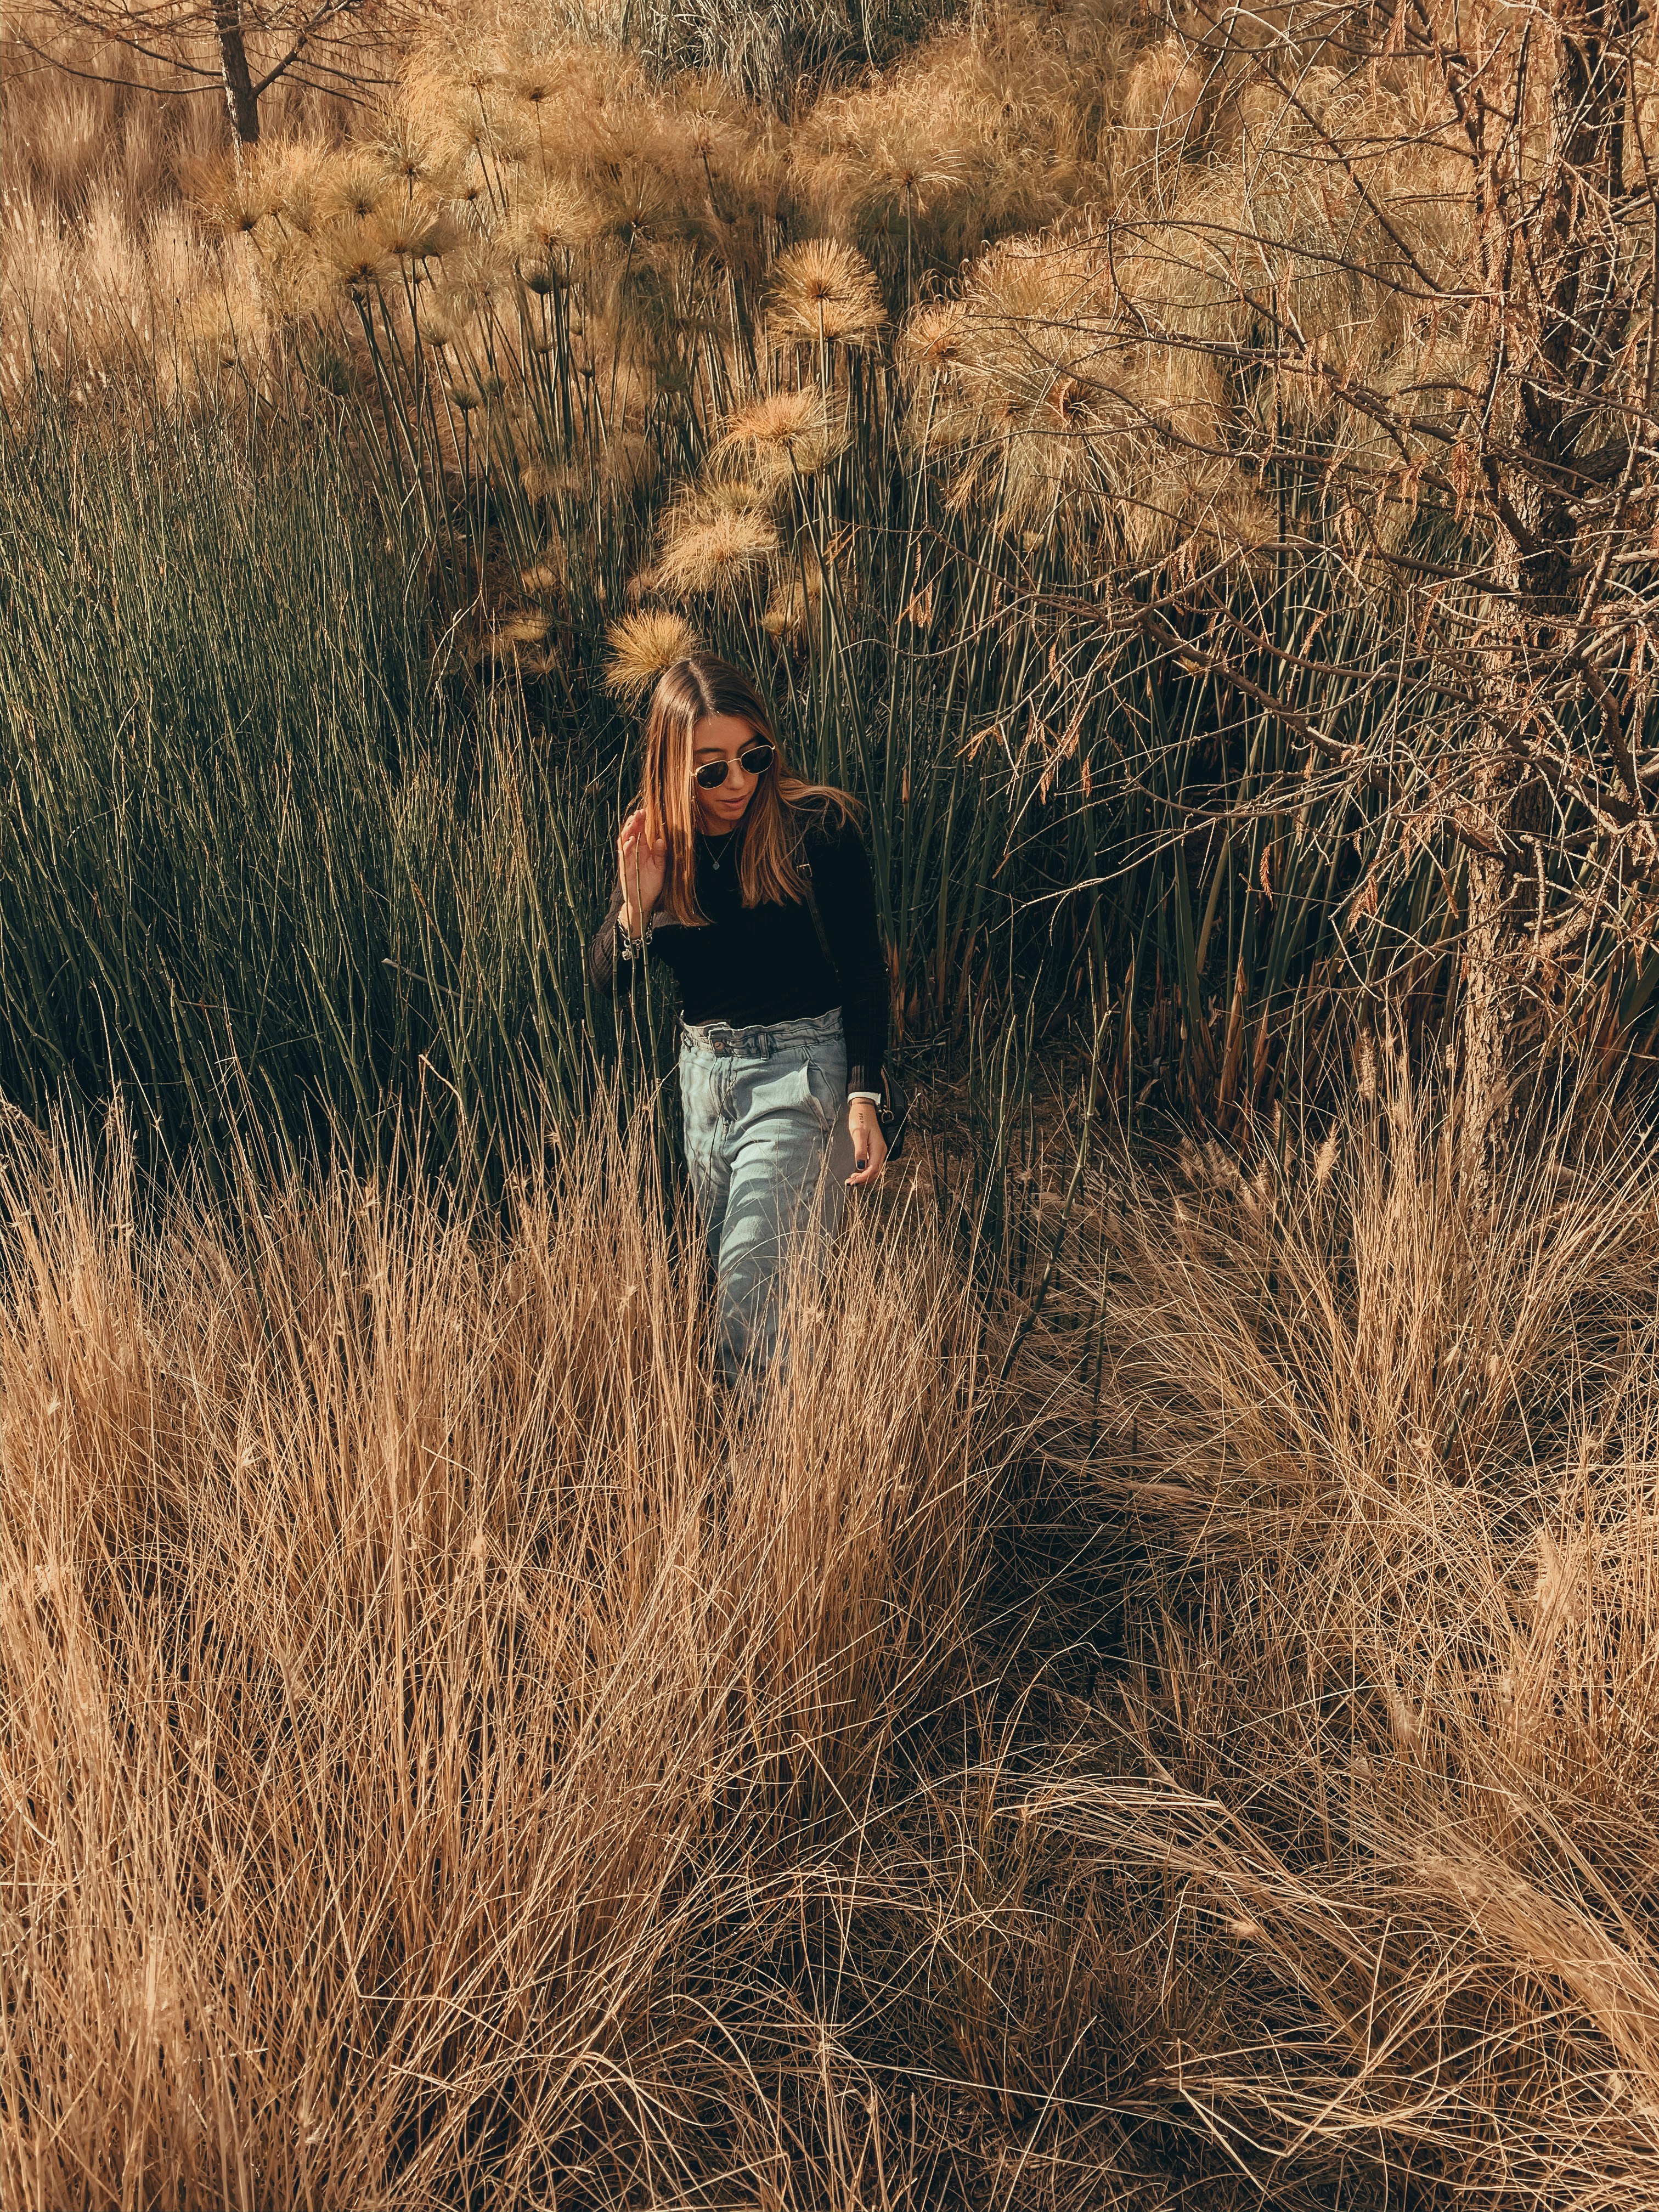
{"x": 428, "y": 1710}
{"x": 1384, "y": 1747}
{"x": 1001, "y": 125}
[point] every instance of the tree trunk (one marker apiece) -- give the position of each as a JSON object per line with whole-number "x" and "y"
{"x": 241, "y": 99}
{"x": 1490, "y": 1012}
{"x": 1556, "y": 392}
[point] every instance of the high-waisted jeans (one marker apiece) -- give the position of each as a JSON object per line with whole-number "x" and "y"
{"x": 767, "y": 1145}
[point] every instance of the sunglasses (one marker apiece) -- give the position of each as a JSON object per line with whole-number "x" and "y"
{"x": 755, "y": 760}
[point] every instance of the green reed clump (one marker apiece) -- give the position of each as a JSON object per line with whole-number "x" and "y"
{"x": 277, "y": 830}
{"x": 1148, "y": 741}
{"x": 626, "y": 350}
{"x": 250, "y": 851}
{"x": 1072, "y": 799}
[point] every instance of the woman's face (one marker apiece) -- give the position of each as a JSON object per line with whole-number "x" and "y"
{"x": 722, "y": 737}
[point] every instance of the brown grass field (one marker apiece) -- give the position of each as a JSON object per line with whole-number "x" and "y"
{"x": 452, "y": 1755}
{"x": 1175, "y": 1726}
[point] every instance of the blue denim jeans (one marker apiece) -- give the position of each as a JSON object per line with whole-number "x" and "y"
{"x": 766, "y": 1144}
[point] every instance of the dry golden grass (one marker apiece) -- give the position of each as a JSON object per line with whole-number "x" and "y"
{"x": 1000, "y": 125}
{"x": 430, "y": 1712}
{"x": 447, "y": 1759}
{"x": 126, "y": 239}
{"x": 1377, "y": 1777}
{"x": 511, "y": 143}
{"x": 1121, "y": 378}
{"x": 1163, "y": 269}
{"x": 452, "y": 1753}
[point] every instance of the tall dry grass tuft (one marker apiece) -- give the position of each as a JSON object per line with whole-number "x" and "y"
{"x": 127, "y": 238}
{"x": 1374, "y": 1778}
{"x": 430, "y": 1709}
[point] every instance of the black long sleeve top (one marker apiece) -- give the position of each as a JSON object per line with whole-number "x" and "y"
{"x": 752, "y": 965}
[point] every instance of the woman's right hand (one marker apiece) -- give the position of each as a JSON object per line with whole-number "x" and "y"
{"x": 641, "y": 867}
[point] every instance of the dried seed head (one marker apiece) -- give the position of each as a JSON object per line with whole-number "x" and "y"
{"x": 783, "y": 435}
{"x": 776, "y": 420}
{"x": 792, "y": 609}
{"x": 296, "y": 195}
{"x": 542, "y": 483}
{"x": 355, "y": 187}
{"x": 474, "y": 271}
{"x": 547, "y": 578}
{"x": 408, "y": 153}
{"x": 932, "y": 337}
{"x": 1365, "y": 1066}
{"x": 714, "y": 551}
{"x": 533, "y": 80}
{"x": 903, "y": 175}
{"x": 1405, "y": 1722}
{"x": 234, "y": 199}
{"x": 415, "y": 230}
{"x": 641, "y": 646}
{"x": 519, "y": 632}
{"x": 549, "y": 224}
{"x": 357, "y": 256}
{"x": 1560, "y": 1594}
{"x": 823, "y": 292}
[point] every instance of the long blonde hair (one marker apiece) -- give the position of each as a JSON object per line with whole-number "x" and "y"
{"x": 769, "y": 835}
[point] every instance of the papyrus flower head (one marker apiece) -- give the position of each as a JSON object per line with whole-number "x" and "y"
{"x": 640, "y": 646}
{"x": 823, "y": 293}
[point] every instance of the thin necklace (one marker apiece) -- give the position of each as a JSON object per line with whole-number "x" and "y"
{"x": 714, "y": 858}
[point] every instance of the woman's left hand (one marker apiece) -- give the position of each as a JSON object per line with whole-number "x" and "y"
{"x": 869, "y": 1146}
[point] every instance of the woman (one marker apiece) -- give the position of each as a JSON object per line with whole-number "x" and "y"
{"x": 718, "y": 867}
